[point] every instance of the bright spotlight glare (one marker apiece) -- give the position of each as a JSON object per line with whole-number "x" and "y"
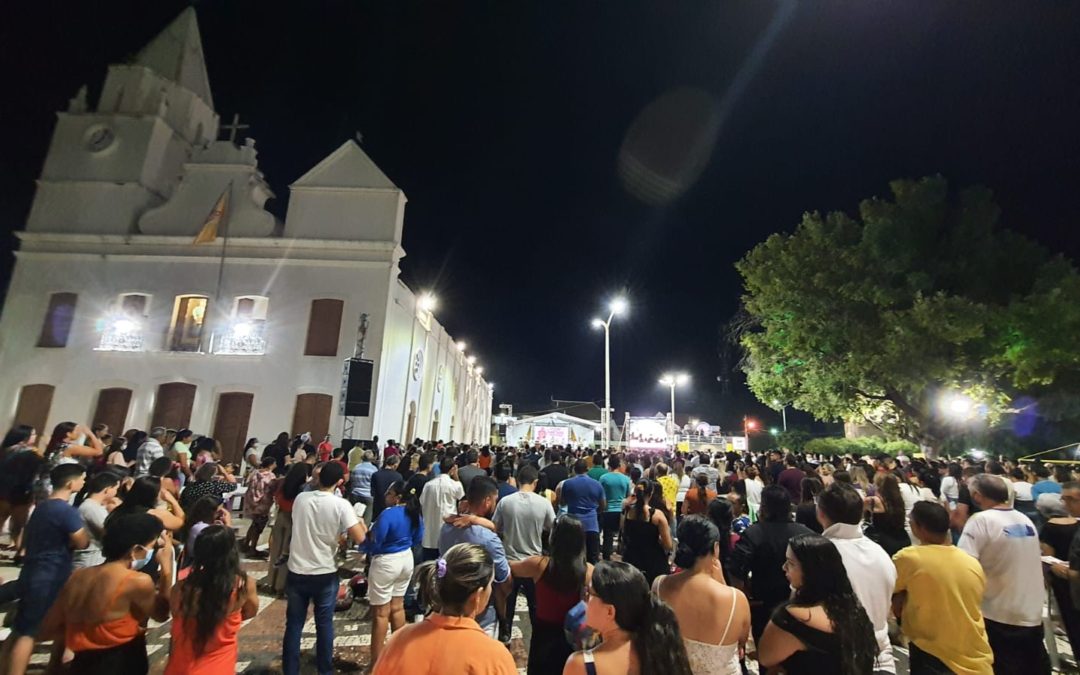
{"x": 682, "y": 378}
{"x": 461, "y": 346}
{"x": 479, "y": 370}
{"x": 957, "y": 406}
{"x": 471, "y": 360}
{"x": 242, "y": 329}
{"x": 427, "y": 302}
{"x": 597, "y": 323}
{"x": 124, "y": 325}
{"x": 618, "y": 305}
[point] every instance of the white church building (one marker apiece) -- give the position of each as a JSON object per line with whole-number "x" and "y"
{"x": 114, "y": 314}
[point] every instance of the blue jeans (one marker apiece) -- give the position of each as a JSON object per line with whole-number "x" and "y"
{"x": 321, "y": 590}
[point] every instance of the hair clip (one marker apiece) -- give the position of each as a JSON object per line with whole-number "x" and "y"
{"x": 440, "y": 568}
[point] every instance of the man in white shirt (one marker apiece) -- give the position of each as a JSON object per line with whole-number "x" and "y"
{"x": 319, "y": 519}
{"x": 1005, "y": 543}
{"x": 439, "y": 499}
{"x": 869, "y": 568}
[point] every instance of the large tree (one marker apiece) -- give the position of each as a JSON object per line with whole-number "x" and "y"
{"x": 877, "y": 317}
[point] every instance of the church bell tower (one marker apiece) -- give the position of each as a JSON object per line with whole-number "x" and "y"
{"x": 106, "y": 167}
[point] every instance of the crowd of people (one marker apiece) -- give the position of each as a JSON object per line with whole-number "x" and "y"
{"x": 628, "y": 562}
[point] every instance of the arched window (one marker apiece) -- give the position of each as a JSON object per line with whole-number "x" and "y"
{"x": 124, "y": 326}
{"x": 173, "y": 404}
{"x": 112, "y": 409}
{"x": 246, "y": 332}
{"x": 56, "y": 327}
{"x": 189, "y": 320}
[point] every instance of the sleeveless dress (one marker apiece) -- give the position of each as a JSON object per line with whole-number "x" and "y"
{"x": 110, "y": 647}
{"x": 548, "y": 648}
{"x": 707, "y": 658}
{"x": 218, "y": 656}
{"x": 822, "y": 653}
{"x": 643, "y": 549}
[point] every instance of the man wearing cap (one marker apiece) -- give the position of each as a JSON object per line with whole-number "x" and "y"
{"x": 149, "y": 451}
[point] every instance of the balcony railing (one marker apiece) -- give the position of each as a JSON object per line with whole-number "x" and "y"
{"x": 121, "y": 335}
{"x": 243, "y": 338}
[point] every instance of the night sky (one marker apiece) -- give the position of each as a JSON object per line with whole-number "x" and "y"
{"x": 504, "y": 122}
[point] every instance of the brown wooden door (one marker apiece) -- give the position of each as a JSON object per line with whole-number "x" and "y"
{"x": 112, "y": 409}
{"x": 35, "y": 400}
{"x": 172, "y": 407}
{"x": 231, "y": 424}
{"x": 312, "y": 413}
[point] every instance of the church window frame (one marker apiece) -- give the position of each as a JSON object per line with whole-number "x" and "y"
{"x": 59, "y": 320}
{"x": 187, "y": 327}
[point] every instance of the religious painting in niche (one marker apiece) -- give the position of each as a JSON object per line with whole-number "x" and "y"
{"x": 58, "y": 319}
{"x": 231, "y": 424}
{"x": 172, "y": 405}
{"x": 188, "y": 323}
{"x": 35, "y": 400}
{"x": 417, "y": 365}
{"x": 324, "y": 327}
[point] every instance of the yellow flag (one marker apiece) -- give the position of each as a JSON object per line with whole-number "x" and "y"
{"x": 209, "y": 231}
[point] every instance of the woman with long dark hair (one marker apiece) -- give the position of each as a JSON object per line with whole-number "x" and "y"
{"x": 887, "y": 515}
{"x": 721, "y": 512}
{"x": 285, "y": 492}
{"x": 101, "y": 613}
{"x": 19, "y": 466}
{"x": 823, "y": 628}
{"x": 389, "y": 546}
{"x": 143, "y": 496}
{"x": 806, "y": 511}
{"x": 63, "y": 448}
{"x": 560, "y": 579}
{"x": 645, "y": 533}
{"x": 457, "y": 589}
{"x": 714, "y": 618}
{"x": 204, "y": 513}
{"x": 209, "y": 605}
{"x": 640, "y": 633}
{"x": 697, "y": 498}
{"x": 94, "y": 502}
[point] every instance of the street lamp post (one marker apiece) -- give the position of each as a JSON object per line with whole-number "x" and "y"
{"x": 673, "y": 380}
{"x": 783, "y": 412}
{"x": 617, "y": 306}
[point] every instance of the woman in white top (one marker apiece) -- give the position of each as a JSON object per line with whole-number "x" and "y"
{"x": 714, "y": 619}
{"x": 754, "y": 486}
{"x": 950, "y": 486}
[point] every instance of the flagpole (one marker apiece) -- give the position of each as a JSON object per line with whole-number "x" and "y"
{"x": 224, "y": 249}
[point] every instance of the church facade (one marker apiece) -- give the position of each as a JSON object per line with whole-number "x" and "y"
{"x": 115, "y": 314}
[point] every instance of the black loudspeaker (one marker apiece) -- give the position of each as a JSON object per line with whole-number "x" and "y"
{"x": 357, "y": 389}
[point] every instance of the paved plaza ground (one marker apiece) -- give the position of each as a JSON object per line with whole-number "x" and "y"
{"x": 260, "y": 637}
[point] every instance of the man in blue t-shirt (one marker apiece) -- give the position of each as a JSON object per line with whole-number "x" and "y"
{"x": 54, "y": 530}
{"x": 617, "y": 487}
{"x": 585, "y": 500}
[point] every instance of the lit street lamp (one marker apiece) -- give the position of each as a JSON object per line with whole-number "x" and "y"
{"x": 674, "y": 380}
{"x": 617, "y": 306}
{"x": 783, "y": 411}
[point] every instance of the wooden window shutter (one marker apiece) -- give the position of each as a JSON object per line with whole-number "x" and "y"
{"x": 324, "y": 327}
{"x": 58, "y": 318}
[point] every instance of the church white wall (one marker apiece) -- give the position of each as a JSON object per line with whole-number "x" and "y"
{"x": 371, "y": 214}
{"x": 79, "y": 372}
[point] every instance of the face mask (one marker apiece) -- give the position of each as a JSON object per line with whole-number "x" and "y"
{"x": 144, "y": 561}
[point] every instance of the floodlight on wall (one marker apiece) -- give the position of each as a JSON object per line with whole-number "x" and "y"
{"x": 427, "y": 302}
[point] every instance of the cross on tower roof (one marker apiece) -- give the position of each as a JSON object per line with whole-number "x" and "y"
{"x": 234, "y": 127}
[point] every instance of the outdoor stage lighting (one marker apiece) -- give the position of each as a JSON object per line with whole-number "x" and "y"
{"x": 242, "y": 329}
{"x": 471, "y": 360}
{"x": 479, "y": 370}
{"x": 124, "y": 326}
{"x": 461, "y": 346}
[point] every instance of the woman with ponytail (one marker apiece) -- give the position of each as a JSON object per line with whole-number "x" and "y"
{"x": 646, "y": 533}
{"x": 456, "y": 588}
{"x": 640, "y": 633}
{"x": 698, "y": 497}
{"x": 397, "y": 529}
{"x": 208, "y": 607}
{"x": 823, "y": 628}
{"x": 714, "y": 618}
{"x": 94, "y": 502}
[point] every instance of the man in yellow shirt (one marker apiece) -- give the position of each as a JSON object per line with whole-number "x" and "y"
{"x": 939, "y": 592}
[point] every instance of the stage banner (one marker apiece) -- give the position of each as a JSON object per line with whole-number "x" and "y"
{"x": 647, "y": 433}
{"x": 738, "y": 442}
{"x": 552, "y": 435}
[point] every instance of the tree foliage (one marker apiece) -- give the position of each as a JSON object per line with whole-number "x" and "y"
{"x": 874, "y": 317}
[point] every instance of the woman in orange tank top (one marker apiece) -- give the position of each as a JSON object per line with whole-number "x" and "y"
{"x": 101, "y": 613}
{"x": 208, "y": 607}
